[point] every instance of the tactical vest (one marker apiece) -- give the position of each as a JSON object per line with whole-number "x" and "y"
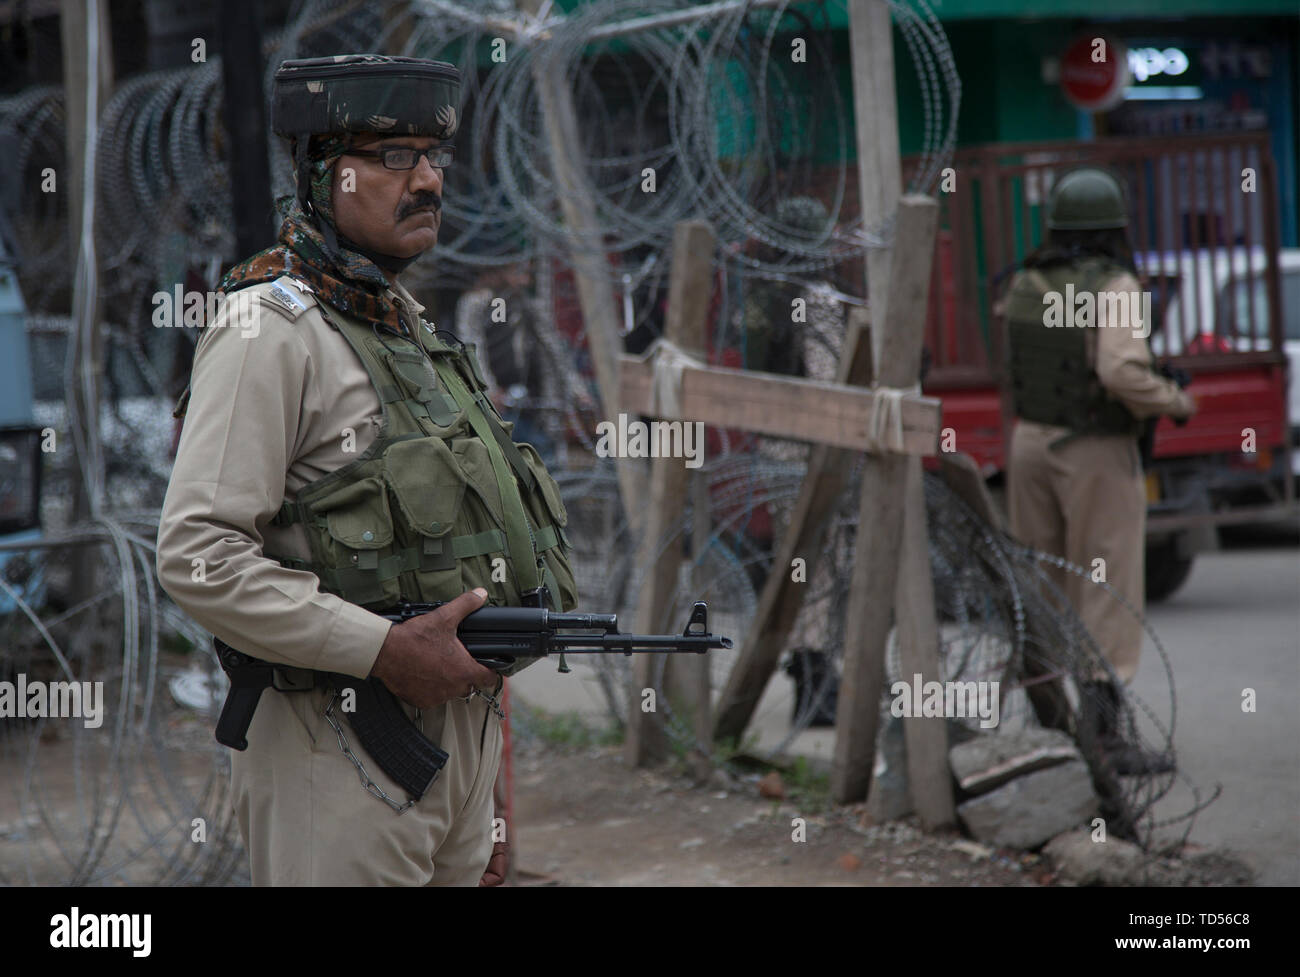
{"x": 442, "y": 501}
{"x": 1052, "y": 381}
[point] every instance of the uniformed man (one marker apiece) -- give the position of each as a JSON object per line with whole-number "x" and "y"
{"x": 1080, "y": 394}
{"x": 338, "y": 456}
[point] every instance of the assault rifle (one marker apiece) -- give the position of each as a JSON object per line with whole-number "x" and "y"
{"x": 495, "y": 636}
{"x": 498, "y": 636}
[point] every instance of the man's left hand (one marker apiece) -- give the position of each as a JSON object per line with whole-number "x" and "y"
{"x": 495, "y": 873}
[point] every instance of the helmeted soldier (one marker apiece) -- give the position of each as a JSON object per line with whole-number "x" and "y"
{"x": 338, "y": 456}
{"x": 1082, "y": 383}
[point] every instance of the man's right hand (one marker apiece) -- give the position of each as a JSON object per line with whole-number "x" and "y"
{"x": 422, "y": 662}
{"x": 1186, "y": 407}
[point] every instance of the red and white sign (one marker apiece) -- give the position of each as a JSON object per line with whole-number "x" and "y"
{"x": 1095, "y": 72}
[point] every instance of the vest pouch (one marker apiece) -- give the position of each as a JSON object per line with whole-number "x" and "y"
{"x": 484, "y": 506}
{"x": 355, "y": 553}
{"x": 434, "y": 408}
{"x": 554, "y": 510}
{"x": 435, "y": 527}
{"x": 473, "y": 460}
{"x": 546, "y": 505}
{"x": 484, "y": 510}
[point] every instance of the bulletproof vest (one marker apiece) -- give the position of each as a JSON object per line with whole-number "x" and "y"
{"x": 1052, "y": 381}
{"x": 442, "y": 501}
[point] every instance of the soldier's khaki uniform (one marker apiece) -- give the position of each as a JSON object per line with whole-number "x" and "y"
{"x": 278, "y": 402}
{"x": 1086, "y": 497}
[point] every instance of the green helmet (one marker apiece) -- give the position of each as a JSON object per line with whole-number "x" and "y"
{"x": 1086, "y": 199}
{"x": 806, "y": 216}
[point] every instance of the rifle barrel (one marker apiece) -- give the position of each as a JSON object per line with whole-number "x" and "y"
{"x": 637, "y": 642}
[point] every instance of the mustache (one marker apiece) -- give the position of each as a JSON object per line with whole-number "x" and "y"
{"x": 424, "y": 200}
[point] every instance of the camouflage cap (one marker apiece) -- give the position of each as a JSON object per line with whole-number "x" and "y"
{"x": 366, "y": 93}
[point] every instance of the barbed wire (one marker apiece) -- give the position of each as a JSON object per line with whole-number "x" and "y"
{"x": 1002, "y": 617}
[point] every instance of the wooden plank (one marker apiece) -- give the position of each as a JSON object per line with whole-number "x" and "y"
{"x": 928, "y": 777}
{"x": 781, "y": 406}
{"x": 689, "y": 292}
{"x": 881, "y": 511}
{"x": 828, "y": 475}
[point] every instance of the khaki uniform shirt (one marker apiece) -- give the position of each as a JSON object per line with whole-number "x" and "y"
{"x": 275, "y": 404}
{"x": 1123, "y": 363}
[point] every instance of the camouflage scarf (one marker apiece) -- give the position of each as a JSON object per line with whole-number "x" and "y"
{"x": 341, "y": 278}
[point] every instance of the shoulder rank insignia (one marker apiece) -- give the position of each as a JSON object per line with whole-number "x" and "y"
{"x": 287, "y": 293}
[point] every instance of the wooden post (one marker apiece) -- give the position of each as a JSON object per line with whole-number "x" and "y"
{"x": 84, "y": 26}
{"x": 600, "y": 314}
{"x": 928, "y": 777}
{"x": 240, "y": 30}
{"x": 875, "y": 115}
{"x": 689, "y": 291}
{"x": 881, "y": 511}
{"x": 688, "y": 675}
{"x": 778, "y": 606}
{"x": 891, "y": 483}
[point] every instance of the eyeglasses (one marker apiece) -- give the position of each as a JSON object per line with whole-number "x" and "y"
{"x": 402, "y": 158}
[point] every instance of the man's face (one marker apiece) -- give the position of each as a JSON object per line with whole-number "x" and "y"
{"x": 395, "y": 212}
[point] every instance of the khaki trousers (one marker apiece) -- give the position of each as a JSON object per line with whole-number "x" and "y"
{"x": 1083, "y": 501}
{"x": 307, "y": 819}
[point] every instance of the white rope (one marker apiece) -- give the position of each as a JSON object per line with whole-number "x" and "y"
{"x": 669, "y": 361}
{"x": 886, "y": 429}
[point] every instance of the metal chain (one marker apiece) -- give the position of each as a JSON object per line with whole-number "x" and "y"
{"x": 367, "y": 782}
{"x": 490, "y": 699}
{"x": 370, "y": 785}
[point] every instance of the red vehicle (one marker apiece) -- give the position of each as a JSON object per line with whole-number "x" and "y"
{"x": 1214, "y": 273}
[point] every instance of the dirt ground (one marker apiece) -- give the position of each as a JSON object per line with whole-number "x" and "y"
{"x": 583, "y": 816}
{"x": 586, "y": 818}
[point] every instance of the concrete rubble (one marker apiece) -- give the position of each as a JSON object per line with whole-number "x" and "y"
{"x": 1083, "y": 861}
{"x": 1031, "y": 809}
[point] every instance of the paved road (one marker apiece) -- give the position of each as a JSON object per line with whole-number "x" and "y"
{"x": 1234, "y": 625}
